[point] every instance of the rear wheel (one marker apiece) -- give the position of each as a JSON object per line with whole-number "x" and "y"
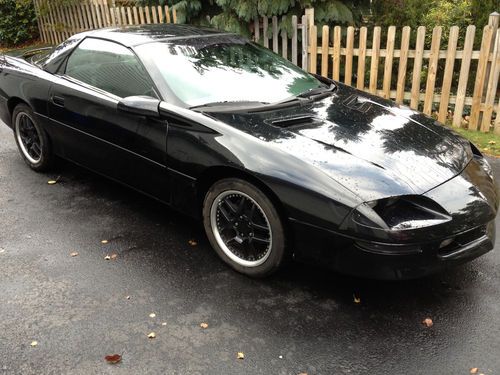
{"x": 32, "y": 141}
{"x": 244, "y": 227}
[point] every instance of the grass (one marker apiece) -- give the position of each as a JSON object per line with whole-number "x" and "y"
{"x": 488, "y": 143}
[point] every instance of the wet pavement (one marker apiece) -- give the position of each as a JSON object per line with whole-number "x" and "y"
{"x": 303, "y": 320}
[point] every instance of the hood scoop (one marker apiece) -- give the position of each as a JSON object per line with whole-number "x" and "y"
{"x": 289, "y": 121}
{"x": 357, "y": 103}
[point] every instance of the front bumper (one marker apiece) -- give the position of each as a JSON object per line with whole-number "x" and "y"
{"x": 344, "y": 254}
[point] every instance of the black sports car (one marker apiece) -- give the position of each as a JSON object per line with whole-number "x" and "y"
{"x": 277, "y": 162}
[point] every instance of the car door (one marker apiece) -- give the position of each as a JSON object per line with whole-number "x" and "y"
{"x": 89, "y": 128}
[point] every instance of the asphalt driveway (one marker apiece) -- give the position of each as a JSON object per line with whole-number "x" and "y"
{"x": 303, "y": 320}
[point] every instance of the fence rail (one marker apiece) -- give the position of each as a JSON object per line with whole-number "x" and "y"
{"x": 439, "y": 81}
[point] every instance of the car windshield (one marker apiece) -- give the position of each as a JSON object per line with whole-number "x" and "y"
{"x": 225, "y": 69}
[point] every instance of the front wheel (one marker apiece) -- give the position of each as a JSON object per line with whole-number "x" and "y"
{"x": 32, "y": 141}
{"x": 244, "y": 227}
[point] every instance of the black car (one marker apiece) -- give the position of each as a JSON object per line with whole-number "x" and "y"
{"x": 280, "y": 164}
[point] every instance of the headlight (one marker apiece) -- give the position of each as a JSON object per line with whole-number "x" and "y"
{"x": 400, "y": 213}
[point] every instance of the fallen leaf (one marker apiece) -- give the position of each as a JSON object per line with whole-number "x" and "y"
{"x": 114, "y": 256}
{"x": 164, "y": 324}
{"x": 107, "y": 257}
{"x": 52, "y": 182}
{"x": 74, "y": 254}
{"x": 34, "y": 343}
{"x": 492, "y": 143}
{"x": 474, "y": 370}
{"x": 104, "y": 241}
{"x": 356, "y": 299}
{"x": 152, "y": 315}
{"x": 486, "y": 149}
{"x": 112, "y": 359}
{"x": 152, "y": 335}
{"x": 204, "y": 325}
{"x": 193, "y": 242}
{"x": 428, "y": 322}
{"x": 240, "y": 355}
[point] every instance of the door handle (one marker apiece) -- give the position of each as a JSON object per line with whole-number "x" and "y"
{"x": 58, "y": 100}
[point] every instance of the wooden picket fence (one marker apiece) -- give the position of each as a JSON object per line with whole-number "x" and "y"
{"x": 346, "y": 54}
{"x": 326, "y": 55}
{"x": 269, "y": 35}
{"x": 57, "y": 23}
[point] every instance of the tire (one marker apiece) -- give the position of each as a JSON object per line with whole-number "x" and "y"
{"x": 32, "y": 141}
{"x": 239, "y": 219}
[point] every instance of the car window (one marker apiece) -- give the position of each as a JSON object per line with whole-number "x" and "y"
{"x": 110, "y": 67}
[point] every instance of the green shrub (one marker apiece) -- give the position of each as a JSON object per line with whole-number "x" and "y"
{"x": 17, "y": 22}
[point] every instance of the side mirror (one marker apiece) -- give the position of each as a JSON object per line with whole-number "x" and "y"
{"x": 140, "y": 105}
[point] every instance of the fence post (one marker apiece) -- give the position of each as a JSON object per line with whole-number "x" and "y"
{"x": 491, "y": 86}
{"x": 309, "y": 13}
{"x": 493, "y": 21}
{"x": 304, "y": 43}
{"x": 480, "y": 77}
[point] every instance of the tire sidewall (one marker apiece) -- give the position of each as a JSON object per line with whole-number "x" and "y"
{"x": 277, "y": 251}
{"x": 45, "y": 159}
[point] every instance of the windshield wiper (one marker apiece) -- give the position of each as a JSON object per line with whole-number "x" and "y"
{"x": 230, "y": 103}
{"x": 313, "y": 93}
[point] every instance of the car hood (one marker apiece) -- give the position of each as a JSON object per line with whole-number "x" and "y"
{"x": 370, "y": 145}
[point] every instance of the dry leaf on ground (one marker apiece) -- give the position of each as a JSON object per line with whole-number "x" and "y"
{"x": 428, "y": 322}
{"x": 115, "y": 358}
{"x": 53, "y": 182}
{"x": 492, "y": 143}
{"x": 34, "y": 343}
{"x": 114, "y": 256}
{"x": 474, "y": 370}
{"x": 356, "y": 298}
{"x": 164, "y": 324}
{"x": 240, "y": 355}
{"x": 74, "y": 254}
{"x": 204, "y": 325}
{"x": 152, "y": 335}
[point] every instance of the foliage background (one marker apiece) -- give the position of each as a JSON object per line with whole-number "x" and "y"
{"x": 17, "y": 22}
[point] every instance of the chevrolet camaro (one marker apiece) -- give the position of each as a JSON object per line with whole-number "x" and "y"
{"x": 279, "y": 164}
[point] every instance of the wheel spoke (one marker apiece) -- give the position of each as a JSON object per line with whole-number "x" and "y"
{"x": 225, "y": 214}
{"x": 241, "y": 206}
{"x": 36, "y": 150}
{"x": 263, "y": 240}
{"x": 230, "y": 205}
{"x": 259, "y": 227}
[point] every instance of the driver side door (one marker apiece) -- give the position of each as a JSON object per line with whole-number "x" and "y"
{"x": 90, "y": 129}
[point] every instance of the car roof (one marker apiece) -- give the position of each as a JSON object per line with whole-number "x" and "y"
{"x": 135, "y": 35}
